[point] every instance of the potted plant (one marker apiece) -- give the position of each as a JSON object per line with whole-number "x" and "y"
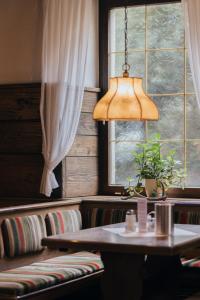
{"x": 158, "y": 171}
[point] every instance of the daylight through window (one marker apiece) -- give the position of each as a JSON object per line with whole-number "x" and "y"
{"x": 157, "y": 52}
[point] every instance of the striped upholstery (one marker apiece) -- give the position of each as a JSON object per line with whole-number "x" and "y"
{"x": 47, "y": 273}
{"x": 93, "y": 217}
{"x": 63, "y": 221}
{"x": 1, "y": 245}
{"x": 23, "y": 234}
{"x": 192, "y": 262}
{"x": 187, "y": 217}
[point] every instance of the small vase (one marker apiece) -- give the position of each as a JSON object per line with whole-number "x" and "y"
{"x": 152, "y": 189}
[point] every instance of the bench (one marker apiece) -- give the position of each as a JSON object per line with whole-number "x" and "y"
{"x": 24, "y": 264}
{"x": 29, "y": 271}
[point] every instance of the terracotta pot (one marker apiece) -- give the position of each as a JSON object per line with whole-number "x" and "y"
{"x": 152, "y": 189}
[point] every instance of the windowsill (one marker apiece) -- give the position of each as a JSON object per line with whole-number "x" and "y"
{"x": 110, "y": 199}
{"x": 92, "y": 89}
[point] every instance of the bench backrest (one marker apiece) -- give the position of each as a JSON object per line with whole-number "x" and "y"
{"x": 94, "y": 213}
{"x": 15, "y": 223}
{"x": 98, "y": 212}
{"x": 62, "y": 221}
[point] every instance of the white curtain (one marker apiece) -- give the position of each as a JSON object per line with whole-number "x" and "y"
{"x": 64, "y": 54}
{"x": 192, "y": 29}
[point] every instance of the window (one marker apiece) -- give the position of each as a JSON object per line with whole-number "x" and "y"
{"x": 157, "y": 52}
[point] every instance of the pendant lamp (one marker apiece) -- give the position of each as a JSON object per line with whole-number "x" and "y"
{"x": 125, "y": 99}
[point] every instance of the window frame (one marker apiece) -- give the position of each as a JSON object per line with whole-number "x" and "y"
{"x": 104, "y": 9}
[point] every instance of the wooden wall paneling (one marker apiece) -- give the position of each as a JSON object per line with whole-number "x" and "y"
{"x": 20, "y": 137}
{"x": 84, "y": 146}
{"x": 81, "y": 176}
{"x": 86, "y": 125}
{"x": 89, "y": 101}
{"x": 21, "y": 162}
{"x": 20, "y": 101}
{"x": 20, "y": 175}
{"x": 80, "y": 167}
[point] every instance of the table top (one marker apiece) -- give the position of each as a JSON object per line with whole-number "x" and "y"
{"x": 102, "y": 240}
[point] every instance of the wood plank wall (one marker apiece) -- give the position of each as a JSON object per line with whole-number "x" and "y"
{"x": 20, "y": 140}
{"x": 80, "y": 167}
{"x": 21, "y": 161}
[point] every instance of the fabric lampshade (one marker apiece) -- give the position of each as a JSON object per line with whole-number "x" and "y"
{"x": 125, "y": 100}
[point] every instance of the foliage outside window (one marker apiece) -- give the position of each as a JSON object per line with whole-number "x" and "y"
{"x": 157, "y": 52}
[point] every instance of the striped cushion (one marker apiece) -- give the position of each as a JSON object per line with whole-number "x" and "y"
{"x": 93, "y": 217}
{"x": 192, "y": 262}
{"x": 47, "y": 273}
{"x": 1, "y": 246}
{"x": 63, "y": 221}
{"x": 23, "y": 234}
{"x": 187, "y": 217}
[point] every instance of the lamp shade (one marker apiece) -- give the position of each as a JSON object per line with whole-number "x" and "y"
{"x": 125, "y": 100}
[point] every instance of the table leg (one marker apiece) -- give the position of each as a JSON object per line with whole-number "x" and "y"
{"x": 123, "y": 276}
{"x": 162, "y": 277}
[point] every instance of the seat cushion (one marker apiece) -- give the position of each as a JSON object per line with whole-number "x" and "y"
{"x": 1, "y": 246}
{"x": 94, "y": 217}
{"x": 37, "y": 276}
{"x": 23, "y": 234}
{"x": 63, "y": 221}
{"x": 192, "y": 262}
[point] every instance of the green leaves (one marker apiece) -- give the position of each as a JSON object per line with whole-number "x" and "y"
{"x": 151, "y": 164}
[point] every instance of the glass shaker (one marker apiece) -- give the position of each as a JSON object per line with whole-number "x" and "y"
{"x": 130, "y": 221}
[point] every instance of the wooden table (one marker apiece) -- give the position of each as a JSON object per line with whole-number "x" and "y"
{"x": 123, "y": 257}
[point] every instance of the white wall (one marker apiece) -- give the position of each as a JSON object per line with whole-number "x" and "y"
{"x": 20, "y": 42}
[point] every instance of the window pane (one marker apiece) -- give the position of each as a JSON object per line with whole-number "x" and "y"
{"x": 129, "y": 131}
{"x": 193, "y": 164}
{"x": 189, "y": 82}
{"x": 165, "y": 72}
{"x": 193, "y": 118}
{"x": 171, "y": 109}
{"x": 178, "y": 147}
{"x": 156, "y": 43}
{"x": 165, "y": 28}
{"x": 124, "y": 166}
{"x": 135, "y": 59}
{"x": 136, "y": 28}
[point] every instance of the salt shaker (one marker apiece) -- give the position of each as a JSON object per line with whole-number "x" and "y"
{"x": 130, "y": 221}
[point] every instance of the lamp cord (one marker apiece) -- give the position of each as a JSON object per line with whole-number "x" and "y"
{"x": 126, "y": 66}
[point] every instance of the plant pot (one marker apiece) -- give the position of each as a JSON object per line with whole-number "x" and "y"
{"x": 152, "y": 189}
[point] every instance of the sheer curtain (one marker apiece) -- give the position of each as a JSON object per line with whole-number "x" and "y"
{"x": 64, "y": 54}
{"x": 192, "y": 30}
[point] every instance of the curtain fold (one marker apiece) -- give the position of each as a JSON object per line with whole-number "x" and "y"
{"x": 64, "y": 55}
{"x": 192, "y": 31}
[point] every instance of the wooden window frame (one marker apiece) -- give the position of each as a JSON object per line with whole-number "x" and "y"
{"x": 104, "y": 8}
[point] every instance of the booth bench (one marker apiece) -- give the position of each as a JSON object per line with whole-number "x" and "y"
{"x": 30, "y": 271}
